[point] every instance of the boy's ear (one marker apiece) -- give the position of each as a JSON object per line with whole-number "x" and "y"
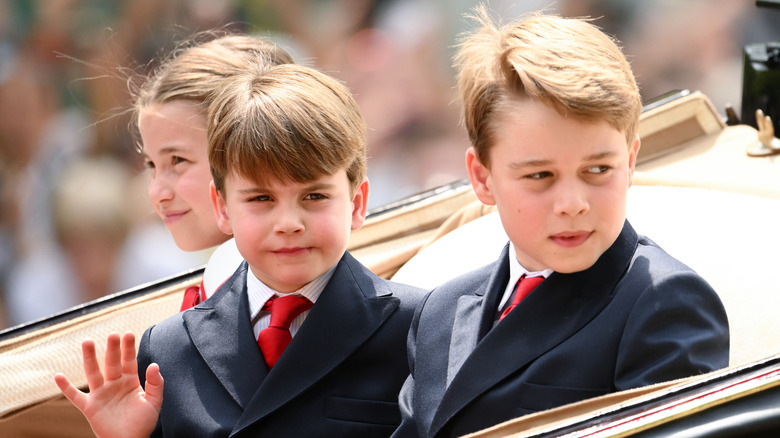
{"x": 632, "y": 153}
{"x": 359, "y": 205}
{"x": 220, "y": 209}
{"x": 478, "y": 175}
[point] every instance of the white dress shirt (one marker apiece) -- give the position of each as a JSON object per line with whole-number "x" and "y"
{"x": 516, "y": 270}
{"x": 258, "y": 293}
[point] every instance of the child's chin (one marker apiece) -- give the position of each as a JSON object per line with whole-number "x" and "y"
{"x": 573, "y": 266}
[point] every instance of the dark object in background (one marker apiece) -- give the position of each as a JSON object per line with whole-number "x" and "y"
{"x": 768, "y": 3}
{"x": 761, "y": 78}
{"x": 761, "y": 82}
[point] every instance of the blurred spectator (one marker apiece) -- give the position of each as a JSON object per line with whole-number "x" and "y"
{"x": 93, "y": 217}
{"x": 90, "y": 222}
{"x": 37, "y": 138}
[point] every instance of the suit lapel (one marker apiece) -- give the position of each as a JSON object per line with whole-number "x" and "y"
{"x": 474, "y": 316}
{"x": 554, "y": 311}
{"x": 221, "y": 332}
{"x": 350, "y": 309}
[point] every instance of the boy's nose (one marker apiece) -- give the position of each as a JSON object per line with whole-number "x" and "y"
{"x": 288, "y": 222}
{"x": 571, "y": 201}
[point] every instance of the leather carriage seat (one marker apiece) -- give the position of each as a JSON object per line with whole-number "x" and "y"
{"x": 728, "y": 238}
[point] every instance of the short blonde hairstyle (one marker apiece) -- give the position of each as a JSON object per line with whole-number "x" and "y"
{"x": 567, "y": 64}
{"x": 285, "y": 123}
{"x": 195, "y": 68}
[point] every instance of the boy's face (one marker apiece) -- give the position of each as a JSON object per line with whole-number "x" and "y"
{"x": 290, "y": 232}
{"x": 559, "y": 185}
{"x": 174, "y": 146}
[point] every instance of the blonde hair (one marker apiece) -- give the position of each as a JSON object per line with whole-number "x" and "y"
{"x": 193, "y": 70}
{"x": 285, "y": 123}
{"x": 567, "y": 64}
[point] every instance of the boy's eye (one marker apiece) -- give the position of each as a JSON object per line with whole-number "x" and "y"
{"x": 539, "y": 175}
{"x": 260, "y": 198}
{"x": 315, "y": 196}
{"x": 148, "y": 164}
{"x": 598, "y": 169}
{"x": 176, "y": 160}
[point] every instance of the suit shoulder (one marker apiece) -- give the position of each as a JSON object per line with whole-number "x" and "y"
{"x": 409, "y": 295}
{"x": 368, "y": 280}
{"x": 444, "y": 298}
{"x": 166, "y": 331}
{"x": 656, "y": 275}
{"x": 659, "y": 261}
{"x": 468, "y": 282}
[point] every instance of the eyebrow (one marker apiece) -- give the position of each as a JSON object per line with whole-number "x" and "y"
{"x": 542, "y": 162}
{"x": 600, "y": 155}
{"x": 172, "y": 149}
{"x": 310, "y": 188}
{"x": 167, "y": 150}
{"x": 529, "y": 163}
{"x": 319, "y": 186}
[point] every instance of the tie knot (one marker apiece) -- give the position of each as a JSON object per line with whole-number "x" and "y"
{"x": 523, "y": 287}
{"x": 526, "y": 284}
{"x": 284, "y": 309}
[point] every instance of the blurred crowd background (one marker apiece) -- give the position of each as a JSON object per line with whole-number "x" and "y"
{"x": 75, "y": 223}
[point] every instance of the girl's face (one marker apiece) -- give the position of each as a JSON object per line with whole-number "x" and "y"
{"x": 174, "y": 148}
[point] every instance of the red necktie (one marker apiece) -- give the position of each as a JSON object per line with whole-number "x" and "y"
{"x": 523, "y": 287}
{"x": 275, "y": 338}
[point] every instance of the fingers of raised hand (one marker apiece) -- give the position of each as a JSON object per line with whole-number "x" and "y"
{"x": 113, "y": 363}
{"x": 154, "y": 386}
{"x": 91, "y": 365}
{"x": 129, "y": 364}
{"x": 78, "y": 398}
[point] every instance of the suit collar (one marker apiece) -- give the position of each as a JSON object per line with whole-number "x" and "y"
{"x": 556, "y": 309}
{"x": 353, "y": 305}
{"x": 221, "y": 332}
{"x": 479, "y": 306}
{"x": 493, "y": 290}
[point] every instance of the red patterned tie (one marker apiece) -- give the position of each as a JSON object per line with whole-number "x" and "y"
{"x": 275, "y": 338}
{"x": 523, "y": 287}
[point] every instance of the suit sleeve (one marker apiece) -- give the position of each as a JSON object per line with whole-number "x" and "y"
{"x": 677, "y": 328}
{"x": 408, "y": 426}
{"x": 144, "y": 359}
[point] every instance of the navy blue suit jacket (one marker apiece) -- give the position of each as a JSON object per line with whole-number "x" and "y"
{"x": 340, "y": 376}
{"x": 636, "y": 317}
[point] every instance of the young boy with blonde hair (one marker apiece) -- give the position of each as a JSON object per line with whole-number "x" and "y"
{"x": 302, "y": 340}
{"x": 577, "y": 304}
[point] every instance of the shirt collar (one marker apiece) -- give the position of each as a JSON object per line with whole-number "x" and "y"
{"x": 258, "y": 292}
{"x": 516, "y": 270}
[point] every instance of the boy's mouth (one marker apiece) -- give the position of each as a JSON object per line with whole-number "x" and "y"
{"x": 571, "y": 239}
{"x": 291, "y": 251}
